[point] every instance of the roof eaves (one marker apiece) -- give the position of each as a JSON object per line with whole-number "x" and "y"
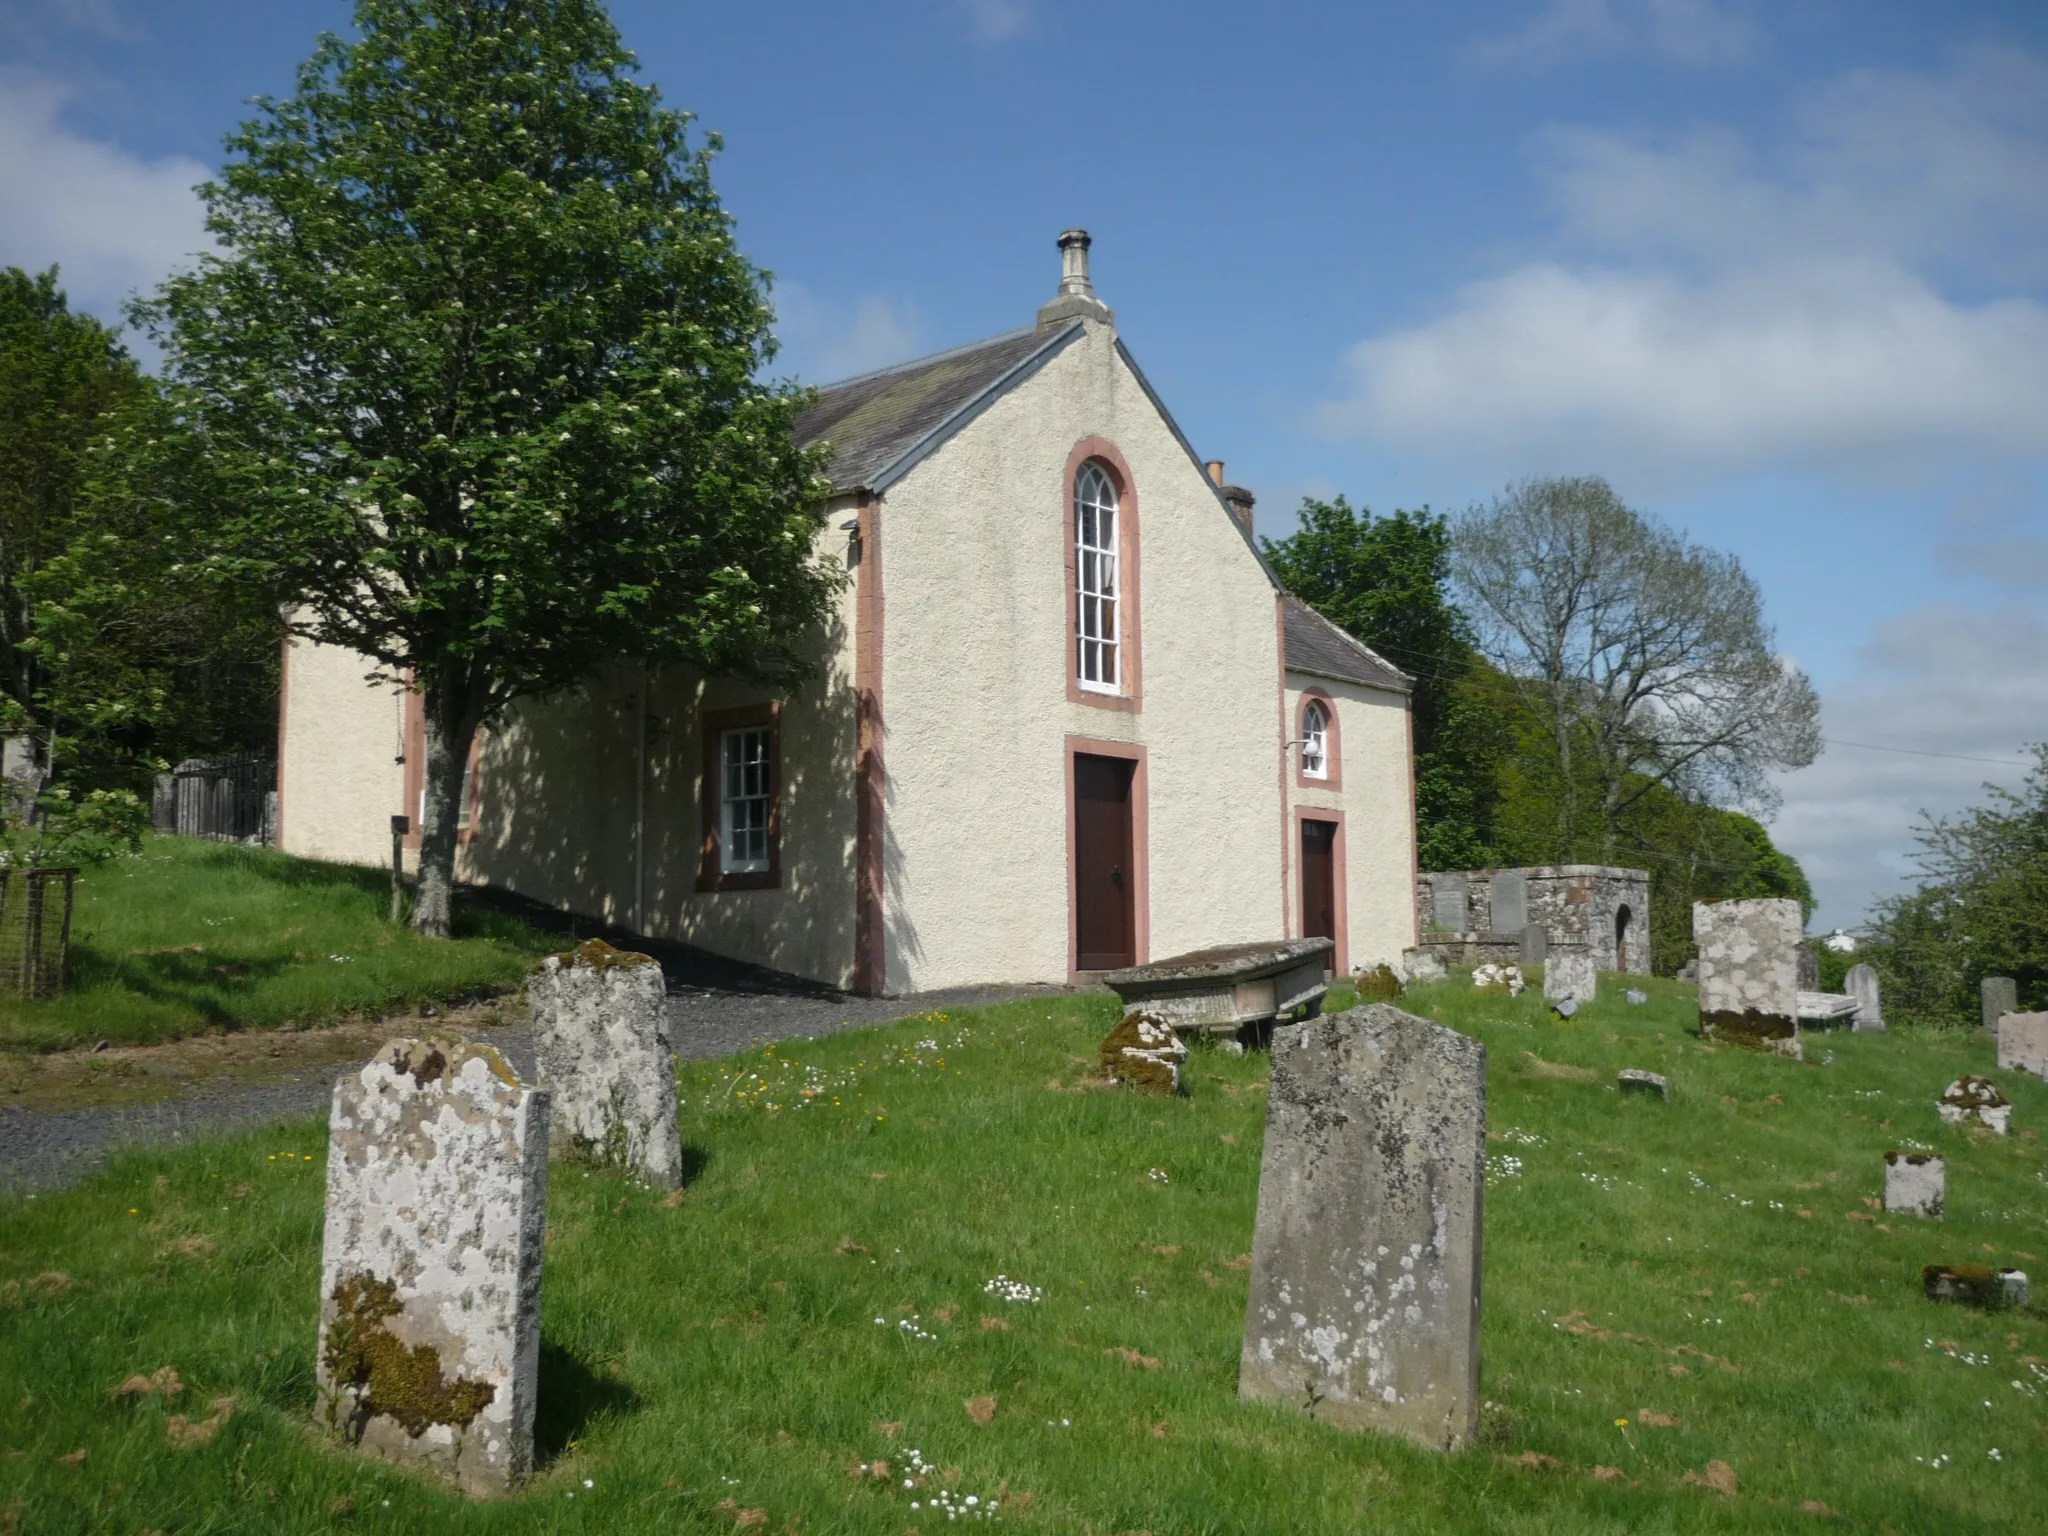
{"x": 1404, "y": 687}
{"x": 1055, "y": 343}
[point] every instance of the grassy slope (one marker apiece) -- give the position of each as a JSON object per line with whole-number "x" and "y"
{"x": 194, "y": 935}
{"x": 728, "y": 1349}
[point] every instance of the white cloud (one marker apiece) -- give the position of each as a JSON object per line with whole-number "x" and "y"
{"x": 1686, "y": 31}
{"x": 113, "y": 221}
{"x": 1966, "y": 682}
{"x": 1717, "y": 314}
{"x": 998, "y": 21}
{"x": 823, "y": 343}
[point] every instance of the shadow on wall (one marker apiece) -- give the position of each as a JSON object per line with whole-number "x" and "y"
{"x": 560, "y": 815}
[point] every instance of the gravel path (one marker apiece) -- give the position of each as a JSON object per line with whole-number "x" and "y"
{"x": 716, "y": 1007}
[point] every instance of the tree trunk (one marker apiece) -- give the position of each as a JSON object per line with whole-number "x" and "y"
{"x": 451, "y": 726}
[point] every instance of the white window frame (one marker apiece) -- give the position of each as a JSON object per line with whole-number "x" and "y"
{"x": 1098, "y": 598}
{"x": 1315, "y": 740}
{"x": 746, "y": 805}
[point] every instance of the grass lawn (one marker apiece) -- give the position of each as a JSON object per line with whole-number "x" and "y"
{"x": 190, "y": 936}
{"x": 1667, "y": 1285}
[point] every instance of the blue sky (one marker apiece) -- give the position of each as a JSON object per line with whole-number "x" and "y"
{"x": 1778, "y": 271}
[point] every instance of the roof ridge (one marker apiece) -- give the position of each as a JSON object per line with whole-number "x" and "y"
{"x": 919, "y": 362}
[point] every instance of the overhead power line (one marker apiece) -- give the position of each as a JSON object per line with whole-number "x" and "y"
{"x": 1954, "y": 757}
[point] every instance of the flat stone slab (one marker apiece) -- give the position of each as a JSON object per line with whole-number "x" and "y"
{"x": 1636, "y": 1080}
{"x": 430, "y": 1269}
{"x": 601, "y": 1040}
{"x": 1229, "y": 986}
{"x": 1826, "y": 1008}
{"x": 1364, "y": 1303}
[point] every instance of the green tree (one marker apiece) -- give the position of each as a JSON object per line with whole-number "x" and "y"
{"x": 114, "y": 652}
{"x": 1384, "y": 580}
{"x": 62, "y": 377}
{"x": 476, "y": 367}
{"x": 1981, "y": 911}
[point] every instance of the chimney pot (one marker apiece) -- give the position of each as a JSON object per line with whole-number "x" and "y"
{"x": 1215, "y": 469}
{"x": 1076, "y": 298}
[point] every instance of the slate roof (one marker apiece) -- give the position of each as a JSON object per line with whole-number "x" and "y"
{"x": 1316, "y": 646}
{"x": 883, "y": 422}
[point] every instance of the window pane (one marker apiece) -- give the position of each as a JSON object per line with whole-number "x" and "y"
{"x": 746, "y": 788}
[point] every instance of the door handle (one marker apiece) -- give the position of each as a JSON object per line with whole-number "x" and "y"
{"x": 1116, "y": 877}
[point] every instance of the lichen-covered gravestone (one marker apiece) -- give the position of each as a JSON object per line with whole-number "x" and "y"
{"x": 1570, "y": 973}
{"x": 2023, "y": 1043}
{"x": 1535, "y": 944}
{"x": 1364, "y": 1304}
{"x": 1997, "y": 996}
{"x": 431, "y": 1263}
{"x": 1975, "y": 1101}
{"x": 1145, "y": 1052}
{"x": 1749, "y": 971}
{"x": 1861, "y": 984}
{"x": 600, "y": 1020}
{"x": 1915, "y": 1184}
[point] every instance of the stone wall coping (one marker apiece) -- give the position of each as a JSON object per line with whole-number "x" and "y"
{"x": 1546, "y": 871}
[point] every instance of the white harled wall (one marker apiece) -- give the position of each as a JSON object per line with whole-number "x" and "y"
{"x": 1376, "y": 799}
{"x": 976, "y": 661}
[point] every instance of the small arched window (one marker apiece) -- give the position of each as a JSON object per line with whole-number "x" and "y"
{"x": 1315, "y": 741}
{"x": 1097, "y": 664}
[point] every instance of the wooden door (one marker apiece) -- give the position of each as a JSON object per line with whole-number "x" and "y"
{"x": 1319, "y": 880}
{"x": 1105, "y": 884}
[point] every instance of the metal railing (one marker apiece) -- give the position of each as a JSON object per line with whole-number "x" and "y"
{"x": 224, "y": 798}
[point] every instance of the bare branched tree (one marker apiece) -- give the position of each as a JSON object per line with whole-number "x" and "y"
{"x": 1646, "y": 657}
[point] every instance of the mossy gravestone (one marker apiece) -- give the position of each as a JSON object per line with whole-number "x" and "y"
{"x": 1364, "y": 1304}
{"x": 1749, "y": 971}
{"x": 600, "y": 1026}
{"x": 1144, "y": 1052}
{"x": 431, "y": 1265}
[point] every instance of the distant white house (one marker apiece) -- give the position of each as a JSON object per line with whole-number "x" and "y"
{"x": 1065, "y": 719}
{"x": 1842, "y": 943}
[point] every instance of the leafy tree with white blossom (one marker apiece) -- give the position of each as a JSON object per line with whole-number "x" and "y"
{"x": 476, "y": 366}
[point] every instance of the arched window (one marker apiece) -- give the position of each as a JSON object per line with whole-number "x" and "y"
{"x": 1315, "y": 741}
{"x": 1097, "y": 663}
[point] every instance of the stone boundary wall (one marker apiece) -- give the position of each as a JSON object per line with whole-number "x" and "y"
{"x": 1577, "y": 903}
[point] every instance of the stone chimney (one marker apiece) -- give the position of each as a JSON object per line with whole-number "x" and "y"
{"x": 1235, "y": 497}
{"x": 1076, "y": 298}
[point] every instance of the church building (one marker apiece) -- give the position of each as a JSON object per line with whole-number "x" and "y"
{"x": 1065, "y": 719}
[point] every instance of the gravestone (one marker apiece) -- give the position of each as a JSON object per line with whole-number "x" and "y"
{"x": 1570, "y": 973}
{"x": 1975, "y": 1101}
{"x": 1535, "y": 944}
{"x": 1422, "y": 965}
{"x": 1809, "y": 968}
{"x": 601, "y": 1041}
{"x": 430, "y": 1267}
{"x": 1999, "y": 995}
{"x": 1508, "y": 898}
{"x": 1364, "y": 1303}
{"x": 1976, "y": 1285}
{"x": 1144, "y": 1052}
{"x": 1447, "y": 903}
{"x": 1915, "y": 1184}
{"x": 2023, "y": 1043}
{"x": 1861, "y": 984}
{"x": 1636, "y": 1080}
{"x": 1749, "y": 971}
